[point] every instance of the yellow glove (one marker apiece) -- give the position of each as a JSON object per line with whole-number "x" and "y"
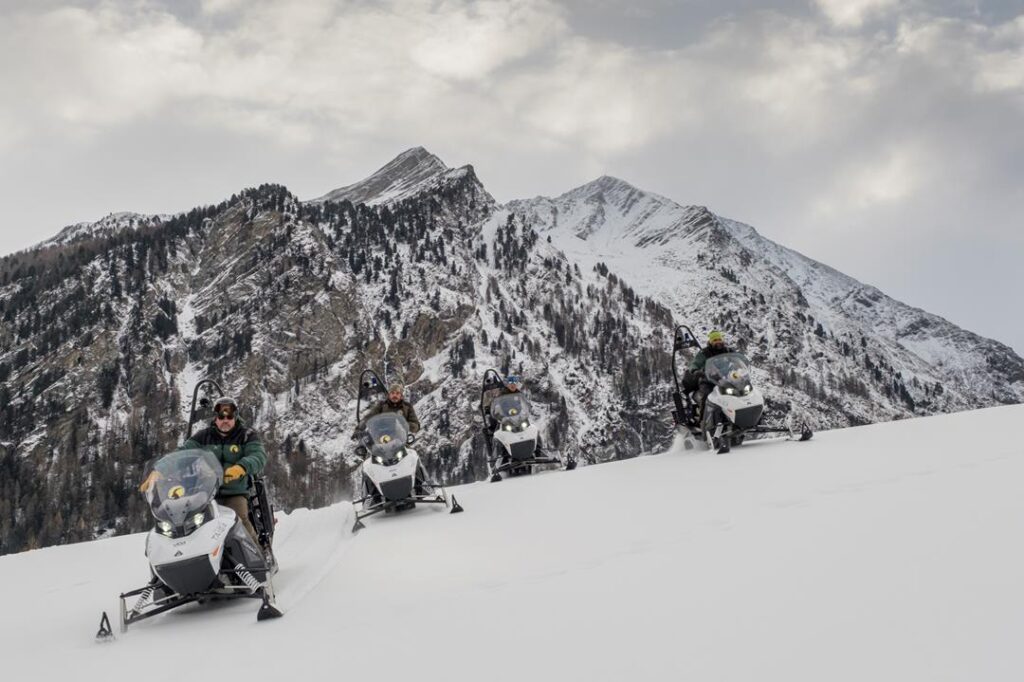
{"x": 148, "y": 483}
{"x": 233, "y": 473}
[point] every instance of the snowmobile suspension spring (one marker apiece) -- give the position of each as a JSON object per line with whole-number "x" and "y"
{"x": 246, "y": 577}
{"x": 143, "y": 598}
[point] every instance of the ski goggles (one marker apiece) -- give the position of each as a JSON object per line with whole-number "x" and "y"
{"x": 226, "y": 414}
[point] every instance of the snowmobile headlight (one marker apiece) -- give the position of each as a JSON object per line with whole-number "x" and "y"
{"x": 164, "y": 528}
{"x": 747, "y": 389}
{"x": 524, "y": 425}
{"x": 399, "y": 455}
{"x": 377, "y": 459}
{"x": 730, "y": 391}
{"x": 193, "y": 522}
{"x": 508, "y": 427}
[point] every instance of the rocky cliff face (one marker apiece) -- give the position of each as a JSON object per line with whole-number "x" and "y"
{"x": 420, "y": 274}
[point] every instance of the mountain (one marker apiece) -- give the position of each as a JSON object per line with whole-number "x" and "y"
{"x": 771, "y": 563}
{"x": 427, "y": 278}
{"x": 869, "y": 357}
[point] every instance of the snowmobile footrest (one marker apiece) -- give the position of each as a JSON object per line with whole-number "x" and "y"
{"x": 456, "y": 507}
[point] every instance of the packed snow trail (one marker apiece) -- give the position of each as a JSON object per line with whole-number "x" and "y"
{"x": 887, "y": 552}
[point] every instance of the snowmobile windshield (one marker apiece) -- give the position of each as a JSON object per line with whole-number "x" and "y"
{"x": 730, "y": 370}
{"x": 512, "y": 409}
{"x": 387, "y": 433}
{"x": 185, "y": 482}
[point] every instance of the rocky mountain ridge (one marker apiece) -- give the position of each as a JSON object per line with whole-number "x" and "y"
{"x": 426, "y": 277}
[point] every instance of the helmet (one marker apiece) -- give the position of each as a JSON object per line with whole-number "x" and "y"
{"x": 225, "y": 408}
{"x": 396, "y": 386}
{"x": 716, "y": 337}
{"x": 225, "y": 401}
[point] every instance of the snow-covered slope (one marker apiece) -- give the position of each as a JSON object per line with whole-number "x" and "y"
{"x": 784, "y": 308}
{"x": 883, "y": 552}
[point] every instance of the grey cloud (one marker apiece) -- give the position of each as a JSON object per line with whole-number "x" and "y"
{"x": 890, "y": 149}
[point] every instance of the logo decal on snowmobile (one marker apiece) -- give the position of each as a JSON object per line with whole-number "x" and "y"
{"x": 513, "y": 411}
{"x": 385, "y": 439}
{"x": 176, "y": 492}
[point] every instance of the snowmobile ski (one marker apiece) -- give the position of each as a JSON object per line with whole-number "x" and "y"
{"x": 105, "y": 633}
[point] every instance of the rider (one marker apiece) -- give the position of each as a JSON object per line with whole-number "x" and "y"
{"x": 693, "y": 379}
{"x": 238, "y": 448}
{"x": 241, "y": 452}
{"x": 512, "y": 384}
{"x": 395, "y": 402}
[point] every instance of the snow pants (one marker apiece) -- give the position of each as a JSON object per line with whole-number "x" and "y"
{"x": 240, "y": 505}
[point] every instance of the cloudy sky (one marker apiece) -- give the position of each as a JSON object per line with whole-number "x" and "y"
{"x": 882, "y": 137}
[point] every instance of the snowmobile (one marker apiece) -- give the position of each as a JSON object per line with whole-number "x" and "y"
{"x": 734, "y": 406}
{"x": 393, "y": 476}
{"x": 199, "y": 550}
{"x": 512, "y": 441}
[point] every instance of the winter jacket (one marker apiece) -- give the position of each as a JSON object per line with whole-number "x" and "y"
{"x": 404, "y": 407}
{"x": 493, "y": 393}
{"x": 701, "y": 358}
{"x": 240, "y": 445}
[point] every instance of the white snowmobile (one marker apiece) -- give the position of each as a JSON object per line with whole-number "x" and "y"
{"x": 733, "y": 407}
{"x": 394, "y": 478}
{"x": 199, "y": 550}
{"x": 512, "y": 440}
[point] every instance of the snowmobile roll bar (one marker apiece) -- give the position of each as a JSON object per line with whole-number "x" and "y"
{"x": 204, "y": 403}
{"x": 682, "y": 338}
{"x": 369, "y": 384}
{"x": 492, "y": 379}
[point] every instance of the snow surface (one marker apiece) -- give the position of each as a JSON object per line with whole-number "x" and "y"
{"x": 885, "y": 552}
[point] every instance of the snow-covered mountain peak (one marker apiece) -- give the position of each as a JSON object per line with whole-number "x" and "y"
{"x": 410, "y": 173}
{"x": 104, "y": 227}
{"x": 602, "y": 185}
{"x": 613, "y": 209}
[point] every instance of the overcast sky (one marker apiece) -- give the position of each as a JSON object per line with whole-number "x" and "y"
{"x": 881, "y": 137}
